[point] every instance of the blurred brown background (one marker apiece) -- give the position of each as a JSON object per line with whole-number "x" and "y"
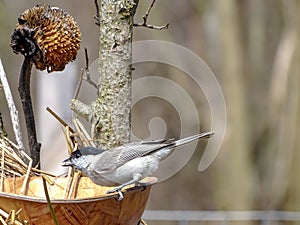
{"x": 252, "y": 46}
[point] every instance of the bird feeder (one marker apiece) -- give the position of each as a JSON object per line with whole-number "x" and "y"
{"x": 89, "y": 204}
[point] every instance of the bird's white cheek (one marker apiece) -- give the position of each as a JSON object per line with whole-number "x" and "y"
{"x": 82, "y": 164}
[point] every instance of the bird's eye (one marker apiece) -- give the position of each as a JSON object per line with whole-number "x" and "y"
{"x": 77, "y": 155}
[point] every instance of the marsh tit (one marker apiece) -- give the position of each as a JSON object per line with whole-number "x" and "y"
{"x": 126, "y": 164}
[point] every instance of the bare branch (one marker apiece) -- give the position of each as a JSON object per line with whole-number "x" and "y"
{"x": 86, "y": 72}
{"x": 59, "y": 119}
{"x": 86, "y": 59}
{"x": 79, "y": 84}
{"x": 166, "y": 26}
{"x": 83, "y": 110}
{"x": 12, "y": 109}
{"x": 2, "y": 128}
{"x": 145, "y": 18}
{"x": 97, "y": 16}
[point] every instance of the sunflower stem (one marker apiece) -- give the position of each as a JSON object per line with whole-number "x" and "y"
{"x": 24, "y": 91}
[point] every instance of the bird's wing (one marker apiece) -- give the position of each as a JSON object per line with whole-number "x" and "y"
{"x": 139, "y": 149}
{"x": 114, "y": 158}
{"x": 161, "y": 141}
{"x": 128, "y": 152}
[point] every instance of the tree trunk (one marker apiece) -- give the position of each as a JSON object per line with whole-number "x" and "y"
{"x": 110, "y": 113}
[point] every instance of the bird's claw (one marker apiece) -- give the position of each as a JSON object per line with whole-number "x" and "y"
{"x": 121, "y": 196}
{"x": 141, "y": 184}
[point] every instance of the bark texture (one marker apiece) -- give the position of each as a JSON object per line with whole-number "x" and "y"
{"x": 110, "y": 113}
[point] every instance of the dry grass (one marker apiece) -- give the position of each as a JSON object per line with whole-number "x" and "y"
{"x": 11, "y": 156}
{"x": 18, "y": 177}
{"x": 12, "y": 165}
{"x": 11, "y": 217}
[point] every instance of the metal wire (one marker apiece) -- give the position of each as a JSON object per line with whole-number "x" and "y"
{"x": 177, "y": 215}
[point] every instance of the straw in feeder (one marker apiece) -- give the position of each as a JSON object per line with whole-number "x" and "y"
{"x": 75, "y": 199}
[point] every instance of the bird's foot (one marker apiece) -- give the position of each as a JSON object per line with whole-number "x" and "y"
{"x": 117, "y": 189}
{"x": 141, "y": 184}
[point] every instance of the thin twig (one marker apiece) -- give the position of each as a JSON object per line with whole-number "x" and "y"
{"x": 145, "y": 18}
{"x": 69, "y": 140}
{"x": 42, "y": 172}
{"x": 49, "y": 202}
{"x": 97, "y": 16}
{"x": 69, "y": 182}
{"x": 85, "y": 72}
{"x": 49, "y": 181}
{"x": 26, "y": 178}
{"x": 81, "y": 77}
{"x": 2, "y": 171}
{"x": 6, "y": 215}
{"x": 11, "y": 217}
{"x": 77, "y": 175}
{"x": 2, "y": 221}
{"x": 79, "y": 84}
{"x": 18, "y": 212}
{"x": 84, "y": 135}
{"x": 86, "y": 59}
{"x": 2, "y": 128}
{"x": 59, "y": 119}
{"x": 12, "y": 109}
{"x": 166, "y": 26}
{"x": 143, "y": 222}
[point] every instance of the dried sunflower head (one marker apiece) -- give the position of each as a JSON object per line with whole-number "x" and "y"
{"x": 48, "y": 35}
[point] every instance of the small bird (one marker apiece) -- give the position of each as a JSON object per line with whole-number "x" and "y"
{"x": 126, "y": 164}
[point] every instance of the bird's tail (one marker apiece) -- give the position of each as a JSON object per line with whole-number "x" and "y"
{"x": 193, "y": 138}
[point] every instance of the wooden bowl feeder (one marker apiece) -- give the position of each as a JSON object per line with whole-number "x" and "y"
{"x": 75, "y": 199}
{"x": 89, "y": 205}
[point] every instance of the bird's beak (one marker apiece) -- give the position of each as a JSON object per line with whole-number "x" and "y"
{"x": 67, "y": 162}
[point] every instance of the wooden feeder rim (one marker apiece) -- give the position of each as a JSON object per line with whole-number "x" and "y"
{"x": 151, "y": 182}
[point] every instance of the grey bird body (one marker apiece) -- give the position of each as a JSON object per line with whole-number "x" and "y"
{"x": 126, "y": 164}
